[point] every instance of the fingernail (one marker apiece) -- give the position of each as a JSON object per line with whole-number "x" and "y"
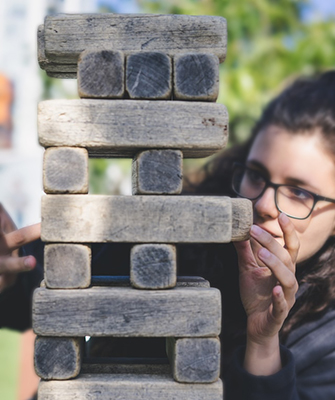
{"x": 284, "y": 218}
{"x": 29, "y": 262}
{"x": 256, "y": 230}
{"x": 264, "y": 253}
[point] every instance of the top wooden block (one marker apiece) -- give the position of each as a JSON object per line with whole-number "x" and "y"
{"x": 65, "y": 36}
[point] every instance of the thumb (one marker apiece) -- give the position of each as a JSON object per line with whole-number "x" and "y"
{"x": 245, "y": 254}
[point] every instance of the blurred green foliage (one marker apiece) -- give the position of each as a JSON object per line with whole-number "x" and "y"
{"x": 269, "y": 44}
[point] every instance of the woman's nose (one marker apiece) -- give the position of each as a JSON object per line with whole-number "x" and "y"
{"x": 265, "y": 206}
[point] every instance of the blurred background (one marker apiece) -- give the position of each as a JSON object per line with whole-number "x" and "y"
{"x": 269, "y": 44}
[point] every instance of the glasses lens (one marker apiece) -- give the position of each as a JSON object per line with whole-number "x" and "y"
{"x": 294, "y": 201}
{"x": 248, "y": 183}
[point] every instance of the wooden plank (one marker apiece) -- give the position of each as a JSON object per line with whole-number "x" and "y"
{"x": 136, "y": 219}
{"x": 153, "y": 266}
{"x": 127, "y": 312}
{"x": 108, "y": 126}
{"x": 157, "y": 172}
{"x": 65, "y": 170}
{"x": 67, "y": 35}
{"x": 242, "y": 219}
{"x": 147, "y": 366}
{"x": 58, "y": 358}
{"x": 194, "y": 360}
{"x": 101, "y": 74}
{"x": 124, "y": 281}
{"x": 67, "y": 266}
{"x": 127, "y": 387}
{"x": 149, "y": 76}
{"x": 196, "y": 77}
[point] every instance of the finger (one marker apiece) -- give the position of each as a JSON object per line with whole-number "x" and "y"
{"x": 265, "y": 239}
{"x": 18, "y": 238}
{"x": 245, "y": 255}
{"x": 290, "y": 236}
{"x": 285, "y": 277}
{"x": 14, "y": 265}
{"x": 280, "y": 307}
{"x": 6, "y": 223}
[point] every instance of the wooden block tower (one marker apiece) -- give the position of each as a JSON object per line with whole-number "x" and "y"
{"x": 148, "y": 86}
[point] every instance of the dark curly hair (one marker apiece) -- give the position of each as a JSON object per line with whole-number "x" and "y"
{"x": 307, "y": 106}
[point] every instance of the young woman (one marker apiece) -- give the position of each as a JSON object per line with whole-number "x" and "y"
{"x": 287, "y": 170}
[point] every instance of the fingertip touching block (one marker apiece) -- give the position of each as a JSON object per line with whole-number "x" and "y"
{"x": 153, "y": 266}
{"x": 157, "y": 172}
{"x": 65, "y": 170}
{"x": 58, "y": 358}
{"x": 101, "y": 74}
{"x": 149, "y": 76}
{"x": 67, "y": 266}
{"x": 196, "y": 77}
{"x": 194, "y": 360}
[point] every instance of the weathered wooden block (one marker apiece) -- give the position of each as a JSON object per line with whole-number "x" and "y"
{"x": 157, "y": 172}
{"x": 196, "y": 77}
{"x": 194, "y": 360}
{"x": 242, "y": 219}
{"x": 136, "y": 219}
{"x": 67, "y": 266}
{"x": 101, "y": 74}
{"x": 153, "y": 266}
{"x": 65, "y": 170}
{"x": 106, "y": 128}
{"x": 127, "y": 312}
{"x": 58, "y": 358}
{"x": 149, "y": 76}
{"x": 125, "y": 366}
{"x": 53, "y": 69}
{"x": 124, "y": 281}
{"x": 67, "y": 35}
{"x": 130, "y": 387}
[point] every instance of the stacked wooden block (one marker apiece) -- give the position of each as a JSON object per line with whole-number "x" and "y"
{"x": 135, "y": 74}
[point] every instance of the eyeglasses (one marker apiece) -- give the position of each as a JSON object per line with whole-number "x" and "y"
{"x": 291, "y": 200}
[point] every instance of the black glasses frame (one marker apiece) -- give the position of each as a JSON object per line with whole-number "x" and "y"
{"x": 275, "y": 186}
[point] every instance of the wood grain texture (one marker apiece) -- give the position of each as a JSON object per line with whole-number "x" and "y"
{"x": 67, "y": 266}
{"x": 196, "y": 77}
{"x": 126, "y": 366}
{"x": 101, "y": 74}
{"x": 65, "y": 170}
{"x": 106, "y": 127}
{"x": 153, "y": 266}
{"x": 149, "y": 76}
{"x": 58, "y": 358}
{"x": 127, "y": 312}
{"x": 66, "y": 36}
{"x": 136, "y": 219}
{"x": 242, "y": 219}
{"x": 124, "y": 281}
{"x": 127, "y": 387}
{"x": 194, "y": 360}
{"x": 157, "y": 172}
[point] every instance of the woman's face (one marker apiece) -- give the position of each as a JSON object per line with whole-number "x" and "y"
{"x": 299, "y": 160}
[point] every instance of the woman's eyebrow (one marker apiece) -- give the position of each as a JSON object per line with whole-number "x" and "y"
{"x": 258, "y": 165}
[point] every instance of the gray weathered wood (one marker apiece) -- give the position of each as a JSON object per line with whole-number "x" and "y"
{"x": 53, "y": 69}
{"x": 194, "y": 360}
{"x": 67, "y": 266}
{"x": 136, "y": 219}
{"x": 58, "y": 358}
{"x": 66, "y": 36}
{"x": 130, "y": 367}
{"x": 157, "y": 172}
{"x": 153, "y": 266}
{"x": 65, "y": 170}
{"x": 196, "y": 77}
{"x": 101, "y": 74}
{"x": 127, "y": 387}
{"x": 127, "y": 312}
{"x": 242, "y": 219}
{"x": 124, "y": 281}
{"x": 108, "y": 127}
{"x": 149, "y": 76}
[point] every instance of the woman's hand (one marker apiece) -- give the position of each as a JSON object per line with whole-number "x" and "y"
{"x": 268, "y": 287}
{"x": 12, "y": 239}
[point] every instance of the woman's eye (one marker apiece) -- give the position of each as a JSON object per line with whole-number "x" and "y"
{"x": 254, "y": 176}
{"x": 298, "y": 193}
